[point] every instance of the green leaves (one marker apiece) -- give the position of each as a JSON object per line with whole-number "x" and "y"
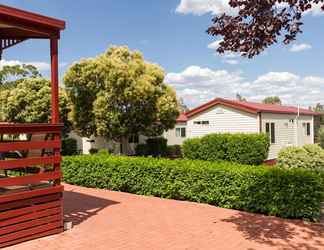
{"x": 292, "y": 193}
{"x": 118, "y": 94}
{"x": 29, "y": 101}
{"x": 241, "y": 148}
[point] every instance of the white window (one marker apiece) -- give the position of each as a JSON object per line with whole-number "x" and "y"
{"x": 271, "y": 131}
{"x": 181, "y": 132}
{"x": 201, "y": 122}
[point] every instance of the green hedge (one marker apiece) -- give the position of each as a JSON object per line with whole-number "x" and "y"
{"x": 292, "y": 193}
{"x": 241, "y": 148}
{"x": 156, "y": 147}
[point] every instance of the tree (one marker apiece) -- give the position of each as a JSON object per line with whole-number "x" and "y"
{"x": 258, "y": 24}
{"x": 29, "y": 101}
{"x": 10, "y": 75}
{"x": 182, "y": 106}
{"x": 118, "y": 94}
{"x": 240, "y": 98}
{"x": 272, "y": 100}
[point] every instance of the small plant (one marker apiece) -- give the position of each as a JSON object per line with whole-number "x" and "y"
{"x": 93, "y": 151}
{"x": 309, "y": 157}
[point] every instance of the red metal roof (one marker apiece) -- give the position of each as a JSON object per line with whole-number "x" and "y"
{"x": 250, "y": 107}
{"x": 29, "y": 17}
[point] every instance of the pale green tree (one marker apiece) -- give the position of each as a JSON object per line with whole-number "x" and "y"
{"x": 272, "y": 100}
{"x": 119, "y": 94}
{"x": 29, "y": 101}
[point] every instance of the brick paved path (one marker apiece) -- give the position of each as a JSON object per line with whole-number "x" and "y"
{"x": 113, "y": 220}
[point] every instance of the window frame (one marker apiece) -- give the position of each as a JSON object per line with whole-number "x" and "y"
{"x": 271, "y": 131}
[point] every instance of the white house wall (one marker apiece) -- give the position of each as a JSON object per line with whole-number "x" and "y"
{"x": 170, "y": 135}
{"x": 222, "y": 120}
{"x": 285, "y": 131}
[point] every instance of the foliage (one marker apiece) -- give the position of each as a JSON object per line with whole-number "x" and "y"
{"x": 241, "y": 148}
{"x": 69, "y": 146}
{"x": 309, "y": 157}
{"x": 321, "y": 136}
{"x": 240, "y": 98}
{"x": 93, "y": 151}
{"x": 272, "y": 100}
{"x": 118, "y": 94}
{"x": 10, "y": 75}
{"x": 292, "y": 193}
{"x": 258, "y": 24}
{"x": 156, "y": 147}
{"x": 174, "y": 151}
{"x": 183, "y": 108}
{"x": 30, "y": 102}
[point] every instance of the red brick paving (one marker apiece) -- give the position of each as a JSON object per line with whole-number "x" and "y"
{"x": 114, "y": 220}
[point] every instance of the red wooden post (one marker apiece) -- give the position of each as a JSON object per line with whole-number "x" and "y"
{"x": 54, "y": 81}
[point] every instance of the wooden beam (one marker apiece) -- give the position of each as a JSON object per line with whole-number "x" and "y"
{"x": 54, "y": 81}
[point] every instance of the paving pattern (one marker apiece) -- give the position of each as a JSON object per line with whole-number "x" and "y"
{"x": 113, "y": 220}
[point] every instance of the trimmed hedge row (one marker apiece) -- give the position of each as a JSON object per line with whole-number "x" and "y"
{"x": 241, "y": 148}
{"x": 292, "y": 193}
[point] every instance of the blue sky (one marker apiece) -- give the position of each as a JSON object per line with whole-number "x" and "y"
{"x": 172, "y": 34}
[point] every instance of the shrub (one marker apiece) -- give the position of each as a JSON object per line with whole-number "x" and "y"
{"x": 174, "y": 151}
{"x": 321, "y": 136}
{"x": 93, "y": 151}
{"x": 156, "y": 147}
{"x": 69, "y": 146}
{"x": 142, "y": 150}
{"x": 294, "y": 193}
{"x": 241, "y": 148}
{"x": 309, "y": 157}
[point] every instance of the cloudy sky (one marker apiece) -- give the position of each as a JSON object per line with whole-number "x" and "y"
{"x": 172, "y": 34}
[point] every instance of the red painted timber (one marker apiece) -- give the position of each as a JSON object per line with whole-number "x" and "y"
{"x": 47, "y": 233}
{"x": 27, "y": 162}
{"x": 28, "y": 145}
{"x": 34, "y": 128}
{"x": 27, "y": 210}
{"x": 30, "y": 194}
{"x": 30, "y": 179}
{"x": 31, "y": 216}
{"x": 30, "y": 231}
{"x": 29, "y": 202}
{"x": 29, "y": 224}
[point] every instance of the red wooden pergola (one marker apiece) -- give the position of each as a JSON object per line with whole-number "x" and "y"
{"x": 31, "y": 204}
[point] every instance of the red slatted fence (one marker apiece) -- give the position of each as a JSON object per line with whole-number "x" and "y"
{"x": 31, "y": 204}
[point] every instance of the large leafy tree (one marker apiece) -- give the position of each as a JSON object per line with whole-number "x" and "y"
{"x": 272, "y": 100}
{"x": 29, "y": 101}
{"x": 11, "y": 75}
{"x": 259, "y": 23}
{"x": 118, "y": 94}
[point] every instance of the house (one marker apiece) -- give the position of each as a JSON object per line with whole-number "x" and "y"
{"x": 286, "y": 125}
{"x": 85, "y": 144}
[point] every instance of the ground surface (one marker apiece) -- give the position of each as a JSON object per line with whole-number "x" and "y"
{"x": 113, "y": 220}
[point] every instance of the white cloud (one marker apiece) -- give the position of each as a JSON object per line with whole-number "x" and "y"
{"x": 300, "y": 47}
{"x": 41, "y": 66}
{"x": 201, "y": 7}
{"x": 231, "y": 61}
{"x": 214, "y": 45}
{"x": 198, "y": 85}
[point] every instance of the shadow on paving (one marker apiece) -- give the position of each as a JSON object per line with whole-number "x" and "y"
{"x": 79, "y": 207}
{"x": 282, "y": 233}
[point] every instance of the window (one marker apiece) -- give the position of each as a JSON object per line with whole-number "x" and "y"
{"x": 308, "y": 129}
{"x": 201, "y": 122}
{"x": 271, "y": 131}
{"x": 181, "y": 132}
{"x": 133, "y": 139}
